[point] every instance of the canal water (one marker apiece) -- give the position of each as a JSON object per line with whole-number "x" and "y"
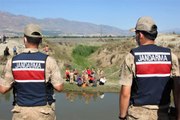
{"x": 74, "y": 106}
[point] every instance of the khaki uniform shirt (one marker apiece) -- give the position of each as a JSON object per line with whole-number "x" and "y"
{"x": 127, "y": 69}
{"x": 51, "y": 71}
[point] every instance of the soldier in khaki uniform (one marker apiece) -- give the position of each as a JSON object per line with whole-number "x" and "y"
{"x": 146, "y": 76}
{"x": 33, "y": 76}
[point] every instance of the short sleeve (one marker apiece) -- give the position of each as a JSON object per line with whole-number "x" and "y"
{"x": 7, "y": 77}
{"x": 53, "y": 72}
{"x": 126, "y": 70}
{"x": 175, "y": 66}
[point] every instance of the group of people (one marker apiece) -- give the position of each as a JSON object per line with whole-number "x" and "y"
{"x": 88, "y": 77}
{"x": 147, "y": 77}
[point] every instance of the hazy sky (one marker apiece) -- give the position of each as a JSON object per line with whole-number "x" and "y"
{"x": 118, "y": 13}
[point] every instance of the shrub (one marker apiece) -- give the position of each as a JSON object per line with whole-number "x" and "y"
{"x": 83, "y": 50}
{"x": 80, "y": 54}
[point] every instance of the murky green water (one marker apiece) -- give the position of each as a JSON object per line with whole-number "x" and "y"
{"x": 74, "y": 106}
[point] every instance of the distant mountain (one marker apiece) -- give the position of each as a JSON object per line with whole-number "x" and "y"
{"x": 13, "y": 25}
{"x": 174, "y": 31}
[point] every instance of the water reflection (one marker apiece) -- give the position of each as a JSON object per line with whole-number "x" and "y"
{"x": 87, "y": 106}
{"x": 87, "y": 97}
{"x": 6, "y": 97}
{"x": 6, "y": 106}
{"x": 73, "y": 105}
{"x": 70, "y": 96}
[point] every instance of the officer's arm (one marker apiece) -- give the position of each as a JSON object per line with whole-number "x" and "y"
{"x": 6, "y": 84}
{"x": 55, "y": 75}
{"x": 177, "y": 96}
{"x": 3, "y": 89}
{"x": 59, "y": 87}
{"x": 124, "y": 98}
{"x": 7, "y": 81}
{"x": 175, "y": 72}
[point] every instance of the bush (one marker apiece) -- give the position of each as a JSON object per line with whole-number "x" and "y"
{"x": 83, "y": 50}
{"x": 80, "y": 54}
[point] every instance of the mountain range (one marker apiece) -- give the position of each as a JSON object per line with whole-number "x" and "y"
{"x": 13, "y": 25}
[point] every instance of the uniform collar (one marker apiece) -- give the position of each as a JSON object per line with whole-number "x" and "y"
{"x": 32, "y": 50}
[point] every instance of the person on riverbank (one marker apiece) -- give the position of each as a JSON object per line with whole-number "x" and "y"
{"x": 71, "y": 74}
{"x": 46, "y": 49}
{"x": 67, "y": 74}
{"x": 146, "y": 76}
{"x": 102, "y": 81}
{"x": 14, "y": 50}
{"x": 4, "y": 39}
{"x": 6, "y": 51}
{"x": 33, "y": 76}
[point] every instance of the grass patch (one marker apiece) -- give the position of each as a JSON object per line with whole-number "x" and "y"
{"x": 59, "y": 52}
{"x": 104, "y": 88}
{"x": 112, "y": 73}
{"x": 80, "y": 55}
{"x": 83, "y": 50}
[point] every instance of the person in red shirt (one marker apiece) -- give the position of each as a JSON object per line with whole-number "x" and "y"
{"x": 67, "y": 72}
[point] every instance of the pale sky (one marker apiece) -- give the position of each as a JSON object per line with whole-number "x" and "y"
{"x": 122, "y": 14}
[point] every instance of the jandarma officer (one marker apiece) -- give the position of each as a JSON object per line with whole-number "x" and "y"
{"x": 146, "y": 76}
{"x": 33, "y": 77}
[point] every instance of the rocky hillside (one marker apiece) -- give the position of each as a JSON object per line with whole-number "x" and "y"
{"x": 170, "y": 41}
{"x": 112, "y": 54}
